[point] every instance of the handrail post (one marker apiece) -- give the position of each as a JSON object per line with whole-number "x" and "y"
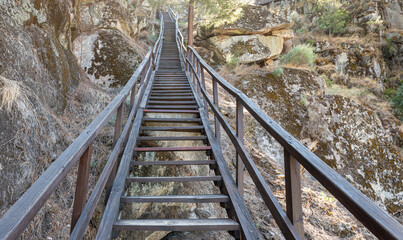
{"x": 118, "y": 127}
{"x": 203, "y": 79}
{"x": 215, "y": 101}
{"x": 133, "y": 95}
{"x": 80, "y": 197}
{"x": 240, "y": 134}
{"x": 293, "y": 192}
{"x": 198, "y": 75}
{"x": 145, "y": 70}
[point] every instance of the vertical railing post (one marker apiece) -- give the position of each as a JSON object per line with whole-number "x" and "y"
{"x": 215, "y": 100}
{"x": 144, "y": 72}
{"x": 198, "y": 75}
{"x": 187, "y": 60}
{"x": 80, "y": 197}
{"x": 240, "y": 134}
{"x": 118, "y": 128}
{"x": 133, "y": 96}
{"x": 293, "y": 192}
{"x": 203, "y": 80}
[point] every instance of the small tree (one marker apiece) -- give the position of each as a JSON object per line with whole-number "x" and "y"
{"x": 333, "y": 17}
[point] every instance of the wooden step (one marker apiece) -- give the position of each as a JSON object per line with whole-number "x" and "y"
{"x": 187, "y": 94}
{"x": 172, "y": 120}
{"x": 174, "y": 128}
{"x": 172, "y": 149}
{"x": 176, "y": 225}
{"x": 188, "y": 162}
{"x": 209, "y": 198}
{"x": 172, "y": 107}
{"x": 170, "y": 111}
{"x": 174, "y": 179}
{"x": 183, "y": 138}
{"x": 171, "y": 98}
{"x": 172, "y": 103}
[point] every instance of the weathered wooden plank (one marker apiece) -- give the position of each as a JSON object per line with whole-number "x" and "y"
{"x": 174, "y": 128}
{"x": 80, "y": 197}
{"x": 172, "y": 120}
{"x": 211, "y": 198}
{"x": 172, "y": 162}
{"x": 176, "y": 225}
{"x": 184, "y": 138}
{"x": 293, "y": 192}
{"x": 169, "y": 111}
{"x": 166, "y": 102}
{"x": 171, "y": 149}
{"x": 239, "y": 133}
{"x": 186, "y": 107}
{"x": 174, "y": 179}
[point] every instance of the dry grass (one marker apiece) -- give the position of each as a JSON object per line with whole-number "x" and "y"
{"x": 10, "y": 92}
{"x": 15, "y": 100}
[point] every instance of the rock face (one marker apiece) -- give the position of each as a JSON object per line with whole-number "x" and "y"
{"x": 257, "y": 35}
{"x": 107, "y": 56}
{"x": 105, "y": 45}
{"x": 254, "y": 20}
{"x": 351, "y": 138}
{"x": 394, "y": 14}
{"x": 248, "y": 48}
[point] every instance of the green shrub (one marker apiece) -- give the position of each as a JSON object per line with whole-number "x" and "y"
{"x": 333, "y": 18}
{"x": 397, "y": 102}
{"x": 277, "y": 72}
{"x": 300, "y": 56}
{"x": 335, "y": 21}
{"x": 232, "y": 60}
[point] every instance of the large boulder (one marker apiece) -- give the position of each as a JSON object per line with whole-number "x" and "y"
{"x": 253, "y": 20}
{"x": 248, "y": 48}
{"x": 107, "y": 56}
{"x": 394, "y": 14}
{"x": 110, "y": 15}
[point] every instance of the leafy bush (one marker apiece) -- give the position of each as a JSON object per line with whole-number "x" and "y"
{"x": 277, "y": 72}
{"x": 397, "y": 102}
{"x": 232, "y": 60}
{"x": 334, "y": 21}
{"x": 333, "y": 17}
{"x": 300, "y": 56}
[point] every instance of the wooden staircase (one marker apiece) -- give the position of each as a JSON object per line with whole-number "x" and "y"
{"x": 172, "y": 94}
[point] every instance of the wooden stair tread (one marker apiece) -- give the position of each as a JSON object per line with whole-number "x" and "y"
{"x": 188, "y": 162}
{"x": 174, "y": 128}
{"x": 208, "y": 198}
{"x": 172, "y": 120}
{"x": 174, "y": 179}
{"x": 169, "y": 111}
{"x": 176, "y": 225}
{"x": 168, "y": 149}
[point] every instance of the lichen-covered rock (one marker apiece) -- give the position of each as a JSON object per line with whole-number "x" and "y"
{"x": 394, "y": 14}
{"x": 351, "y": 138}
{"x": 254, "y": 20}
{"x": 113, "y": 14}
{"x": 107, "y": 56}
{"x": 248, "y": 48}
